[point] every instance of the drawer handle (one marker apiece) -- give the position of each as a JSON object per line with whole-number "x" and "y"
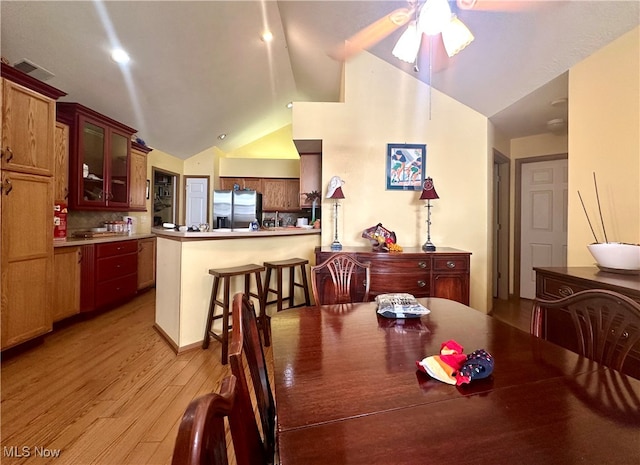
{"x": 451, "y": 264}
{"x": 422, "y": 264}
{"x": 565, "y": 291}
{"x": 421, "y": 283}
{"x": 10, "y": 154}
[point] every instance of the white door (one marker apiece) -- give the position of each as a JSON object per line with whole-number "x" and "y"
{"x": 543, "y": 220}
{"x": 196, "y": 200}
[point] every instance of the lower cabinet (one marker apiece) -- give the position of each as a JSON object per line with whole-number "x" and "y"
{"x": 443, "y": 273}
{"x": 146, "y": 263}
{"x": 109, "y": 274}
{"x": 66, "y": 285}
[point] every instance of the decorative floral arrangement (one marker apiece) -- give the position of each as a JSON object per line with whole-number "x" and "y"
{"x": 312, "y": 196}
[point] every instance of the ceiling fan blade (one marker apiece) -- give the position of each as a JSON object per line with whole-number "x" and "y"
{"x": 497, "y": 5}
{"x": 372, "y": 34}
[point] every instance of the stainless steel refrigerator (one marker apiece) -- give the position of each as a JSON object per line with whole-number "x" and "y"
{"x": 247, "y": 206}
{"x": 235, "y": 210}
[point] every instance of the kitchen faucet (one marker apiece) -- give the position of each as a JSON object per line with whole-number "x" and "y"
{"x": 276, "y": 222}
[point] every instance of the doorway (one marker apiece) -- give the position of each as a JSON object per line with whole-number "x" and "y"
{"x": 165, "y": 196}
{"x": 196, "y": 200}
{"x": 541, "y": 218}
{"x": 501, "y": 172}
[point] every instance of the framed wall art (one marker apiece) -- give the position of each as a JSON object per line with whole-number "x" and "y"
{"x": 405, "y": 166}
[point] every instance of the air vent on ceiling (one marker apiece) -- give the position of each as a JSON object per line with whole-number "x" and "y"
{"x": 33, "y": 70}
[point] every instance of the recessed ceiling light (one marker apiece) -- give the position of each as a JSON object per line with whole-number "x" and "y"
{"x": 120, "y": 56}
{"x": 267, "y": 36}
{"x": 222, "y": 136}
{"x": 290, "y": 105}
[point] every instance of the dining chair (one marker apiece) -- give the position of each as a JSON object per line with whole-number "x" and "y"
{"x": 246, "y": 349}
{"x": 201, "y": 436}
{"x": 607, "y": 323}
{"x": 333, "y": 282}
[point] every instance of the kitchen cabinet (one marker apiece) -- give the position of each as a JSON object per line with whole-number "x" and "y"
{"x": 66, "y": 286}
{"x": 138, "y": 177}
{"x": 310, "y": 176}
{"x": 146, "y": 263}
{"x": 99, "y": 159}
{"x": 26, "y": 207}
{"x": 116, "y": 272}
{"x": 244, "y": 183}
{"x": 281, "y": 194}
{"x": 61, "y": 163}
{"x": 443, "y": 273}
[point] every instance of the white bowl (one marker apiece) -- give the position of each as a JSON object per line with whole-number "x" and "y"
{"x": 616, "y": 255}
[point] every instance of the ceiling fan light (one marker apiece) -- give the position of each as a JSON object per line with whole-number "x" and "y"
{"x": 435, "y": 15}
{"x": 456, "y": 36}
{"x": 408, "y": 44}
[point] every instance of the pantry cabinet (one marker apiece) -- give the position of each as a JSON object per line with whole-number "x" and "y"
{"x": 99, "y": 159}
{"x": 26, "y": 207}
{"x": 138, "y": 177}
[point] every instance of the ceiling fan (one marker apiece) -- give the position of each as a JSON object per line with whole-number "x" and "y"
{"x": 430, "y": 18}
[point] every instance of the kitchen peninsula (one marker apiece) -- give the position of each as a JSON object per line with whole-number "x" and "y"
{"x": 183, "y": 282}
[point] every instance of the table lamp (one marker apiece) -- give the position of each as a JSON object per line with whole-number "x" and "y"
{"x": 428, "y": 193}
{"x": 334, "y": 192}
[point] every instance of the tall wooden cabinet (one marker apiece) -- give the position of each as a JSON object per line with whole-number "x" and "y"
{"x": 26, "y": 206}
{"x": 310, "y": 176}
{"x": 61, "y": 163}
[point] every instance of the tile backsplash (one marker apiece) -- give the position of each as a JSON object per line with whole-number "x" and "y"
{"x": 84, "y": 220}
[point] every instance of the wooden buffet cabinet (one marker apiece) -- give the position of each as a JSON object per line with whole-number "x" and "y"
{"x": 443, "y": 273}
{"x": 556, "y": 282}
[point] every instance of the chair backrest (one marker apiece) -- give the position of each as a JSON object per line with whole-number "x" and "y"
{"x": 340, "y": 268}
{"x": 245, "y": 339}
{"x": 201, "y": 436}
{"x": 607, "y": 323}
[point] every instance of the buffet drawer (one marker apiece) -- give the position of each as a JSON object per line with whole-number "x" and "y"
{"x": 394, "y": 263}
{"x": 554, "y": 288}
{"x": 411, "y": 283}
{"x": 453, "y": 263}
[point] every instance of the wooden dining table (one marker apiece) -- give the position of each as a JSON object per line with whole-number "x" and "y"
{"x": 348, "y": 392}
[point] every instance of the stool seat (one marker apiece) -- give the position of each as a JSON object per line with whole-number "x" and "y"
{"x": 225, "y": 274}
{"x": 279, "y": 266}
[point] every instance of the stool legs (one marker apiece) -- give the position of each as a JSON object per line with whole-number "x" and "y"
{"x": 212, "y": 306}
{"x": 305, "y": 286}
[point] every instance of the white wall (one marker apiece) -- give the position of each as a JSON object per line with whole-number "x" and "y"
{"x": 383, "y": 105}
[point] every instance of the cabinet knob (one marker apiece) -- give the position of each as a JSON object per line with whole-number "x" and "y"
{"x": 421, "y": 283}
{"x": 565, "y": 291}
{"x": 422, "y": 264}
{"x": 451, "y": 264}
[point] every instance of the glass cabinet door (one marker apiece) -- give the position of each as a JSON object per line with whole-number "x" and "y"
{"x": 92, "y": 154}
{"x": 119, "y": 170}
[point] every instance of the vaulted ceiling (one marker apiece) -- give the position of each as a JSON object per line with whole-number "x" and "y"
{"x": 199, "y": 68}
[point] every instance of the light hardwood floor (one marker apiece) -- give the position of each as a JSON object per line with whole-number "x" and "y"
{"x": 106, "y": 391}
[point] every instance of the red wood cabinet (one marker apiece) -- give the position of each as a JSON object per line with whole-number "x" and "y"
{"x": 443, "y": 273}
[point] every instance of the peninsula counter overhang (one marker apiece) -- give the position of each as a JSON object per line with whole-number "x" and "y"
{"x": 216, "y": 235}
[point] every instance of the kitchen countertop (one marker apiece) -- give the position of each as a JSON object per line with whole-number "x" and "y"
{"x": 76, "y": 241}
{"x": 217, "y": 235}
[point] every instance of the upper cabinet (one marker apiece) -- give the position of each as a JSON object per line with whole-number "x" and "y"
{"x": 310, "y": 176}
{"x": 28, "y": 119}
{"x": 280, "y": 194}
{"x": 99, "y": 159}
{"x": 138, "y": 177}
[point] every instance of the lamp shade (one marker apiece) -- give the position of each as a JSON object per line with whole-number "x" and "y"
{"x": 456, "y": 36}
{"x": 428, "y": 191}
{"x": 408, "y": 44}
{"x": 334, "y": 189}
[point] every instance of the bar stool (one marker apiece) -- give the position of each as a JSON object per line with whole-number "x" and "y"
{"x": 226, "y": 274}
{"x": 278, "y": 266}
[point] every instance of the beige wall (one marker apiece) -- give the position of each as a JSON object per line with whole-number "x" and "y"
{"x": 381, "y": 106}
{"x": 259, "y": 168}
{"x": 278, "y": 144}
{"x": 604, "y": 137}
